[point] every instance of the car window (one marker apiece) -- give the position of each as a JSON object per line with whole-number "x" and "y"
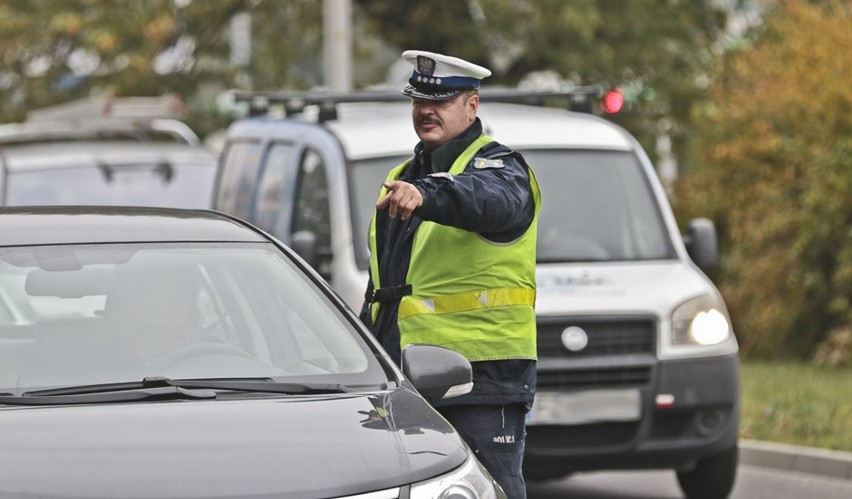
{"x": 103, "y": 314}
{"x": 167, "y": 184}
{"x": 7, "y": 313}
{"x": 366, "y": 177}
{"x": 239, "y": 167}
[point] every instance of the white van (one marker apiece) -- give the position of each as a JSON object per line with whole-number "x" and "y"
{"x": 638, "y": 364}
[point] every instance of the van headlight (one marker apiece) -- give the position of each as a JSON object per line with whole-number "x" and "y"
{"x": 471, "y": 481}
{"x": 701, "y": 321}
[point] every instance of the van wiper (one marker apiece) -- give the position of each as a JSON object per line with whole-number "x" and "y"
{"x": 154, "y": 382}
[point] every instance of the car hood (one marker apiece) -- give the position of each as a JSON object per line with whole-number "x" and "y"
{"x": 316, "y": 446}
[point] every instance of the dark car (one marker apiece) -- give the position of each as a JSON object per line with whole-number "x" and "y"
{"x": 184, "y": 353}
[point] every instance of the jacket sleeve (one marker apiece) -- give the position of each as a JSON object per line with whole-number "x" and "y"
{"x": 493, "y": 198}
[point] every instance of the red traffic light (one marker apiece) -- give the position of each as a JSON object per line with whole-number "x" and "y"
{"x": 612, "y": 101}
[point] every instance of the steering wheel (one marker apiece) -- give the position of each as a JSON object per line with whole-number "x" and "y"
{"x": 200, "y": 349}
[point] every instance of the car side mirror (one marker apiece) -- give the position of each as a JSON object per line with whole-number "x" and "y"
{"x": 437, "y": 372}
{"x": 701, "y": 243}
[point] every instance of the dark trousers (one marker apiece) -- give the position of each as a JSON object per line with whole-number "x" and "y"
{"x": 496, "y": 434}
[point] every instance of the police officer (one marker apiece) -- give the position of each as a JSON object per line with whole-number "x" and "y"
{"x": 453, "y": 260}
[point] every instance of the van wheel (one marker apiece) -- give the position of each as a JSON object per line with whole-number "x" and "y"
{"x": 711, "y": 478}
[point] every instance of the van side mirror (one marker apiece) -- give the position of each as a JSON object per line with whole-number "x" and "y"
{"x": 304, "y": 243}
{"x": 701, "y": 243}
{"x": 437, "y": 372}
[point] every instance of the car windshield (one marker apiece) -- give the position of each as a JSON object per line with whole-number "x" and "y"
{"x": 596, "y": 206}
{"x": 172, "y": 185}
{"x": 76, "y": 315}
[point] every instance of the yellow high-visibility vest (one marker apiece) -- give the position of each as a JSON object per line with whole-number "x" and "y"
{"x": 469, "y": 294}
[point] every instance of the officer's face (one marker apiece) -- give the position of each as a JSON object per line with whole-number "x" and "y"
{"x": 438, "y": 121}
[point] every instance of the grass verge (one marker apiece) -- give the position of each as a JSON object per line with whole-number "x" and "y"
{"x": 797, "y": 403}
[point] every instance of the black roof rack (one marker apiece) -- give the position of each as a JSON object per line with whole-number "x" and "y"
{"x": 578, "y": 99}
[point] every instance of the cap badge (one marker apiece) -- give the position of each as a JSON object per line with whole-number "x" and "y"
{"x": 425, "y": 65}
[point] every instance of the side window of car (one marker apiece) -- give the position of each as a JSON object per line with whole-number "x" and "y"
{"x": 240, "y": 164}
{"x": 312, "y": 215}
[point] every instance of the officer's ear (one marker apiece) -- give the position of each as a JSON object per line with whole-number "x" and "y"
{"x": 471, "y": 104}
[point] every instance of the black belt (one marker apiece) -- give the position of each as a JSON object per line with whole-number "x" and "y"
{"x": 390, "y": 293}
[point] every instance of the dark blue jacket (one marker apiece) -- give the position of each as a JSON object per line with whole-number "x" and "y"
{"x": 496, "y": 203}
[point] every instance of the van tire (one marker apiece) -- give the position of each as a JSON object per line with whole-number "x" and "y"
{"x": 712, "y": 477}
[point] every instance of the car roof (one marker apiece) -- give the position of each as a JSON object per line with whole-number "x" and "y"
{"x": 39, "y": 225}
{"x": 379, "y": 129}
{"x": 56, "y": 154}
{"x": 97, "y": 128}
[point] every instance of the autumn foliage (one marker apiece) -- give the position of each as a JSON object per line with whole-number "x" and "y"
{"x": 773, "y": 169}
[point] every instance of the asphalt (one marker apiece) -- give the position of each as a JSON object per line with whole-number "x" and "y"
{"x": 831, "y": 463}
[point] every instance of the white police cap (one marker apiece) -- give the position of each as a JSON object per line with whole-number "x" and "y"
{"x": 441, "y": 77}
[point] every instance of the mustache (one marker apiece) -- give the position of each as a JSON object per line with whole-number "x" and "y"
{"x": 426, "y": 121}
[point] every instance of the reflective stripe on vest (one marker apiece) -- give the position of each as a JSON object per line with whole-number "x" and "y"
{"x": 463, "y": 302}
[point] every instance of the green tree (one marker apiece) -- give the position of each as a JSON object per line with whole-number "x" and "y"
{"x": 774, "y": 170}
{"x": 660, "y": 52}
{"x": 54, "y": 52}
{"x": 59, "y": 51}
{"x": 287, "y": 45}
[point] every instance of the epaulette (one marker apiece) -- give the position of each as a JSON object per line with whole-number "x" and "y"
{"x": 494, "y": 150}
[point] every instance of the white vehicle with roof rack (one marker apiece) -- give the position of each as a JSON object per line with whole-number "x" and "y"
{"x": 638, "y": 363}
{"x": 132, "y": 151}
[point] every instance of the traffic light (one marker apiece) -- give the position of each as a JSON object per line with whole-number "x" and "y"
{"x": 612, "y": 101}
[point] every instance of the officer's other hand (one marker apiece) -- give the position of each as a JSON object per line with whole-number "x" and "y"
{"x": 402, "y": 199}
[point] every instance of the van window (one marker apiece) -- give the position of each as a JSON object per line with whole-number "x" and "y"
{"x": 311, "y": 210}
{"x": 273, "y": 202}
{"x": 240, "y": 164}
{"x": 366, "y": 180}
{"x": 596, "y": 206}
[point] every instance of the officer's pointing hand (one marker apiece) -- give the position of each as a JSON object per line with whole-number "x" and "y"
{"x": 402, "y": 199}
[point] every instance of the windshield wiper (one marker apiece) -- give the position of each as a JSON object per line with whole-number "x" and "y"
{"x": 99, "y": 397}
{"x": 260, "y": 385}
{"x": 267, "y": 385}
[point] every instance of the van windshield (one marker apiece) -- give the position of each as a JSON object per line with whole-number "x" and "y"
{"x": 596, "y": 206}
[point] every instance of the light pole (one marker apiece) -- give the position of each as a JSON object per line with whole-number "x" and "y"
{"x": 337, "y": 45}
